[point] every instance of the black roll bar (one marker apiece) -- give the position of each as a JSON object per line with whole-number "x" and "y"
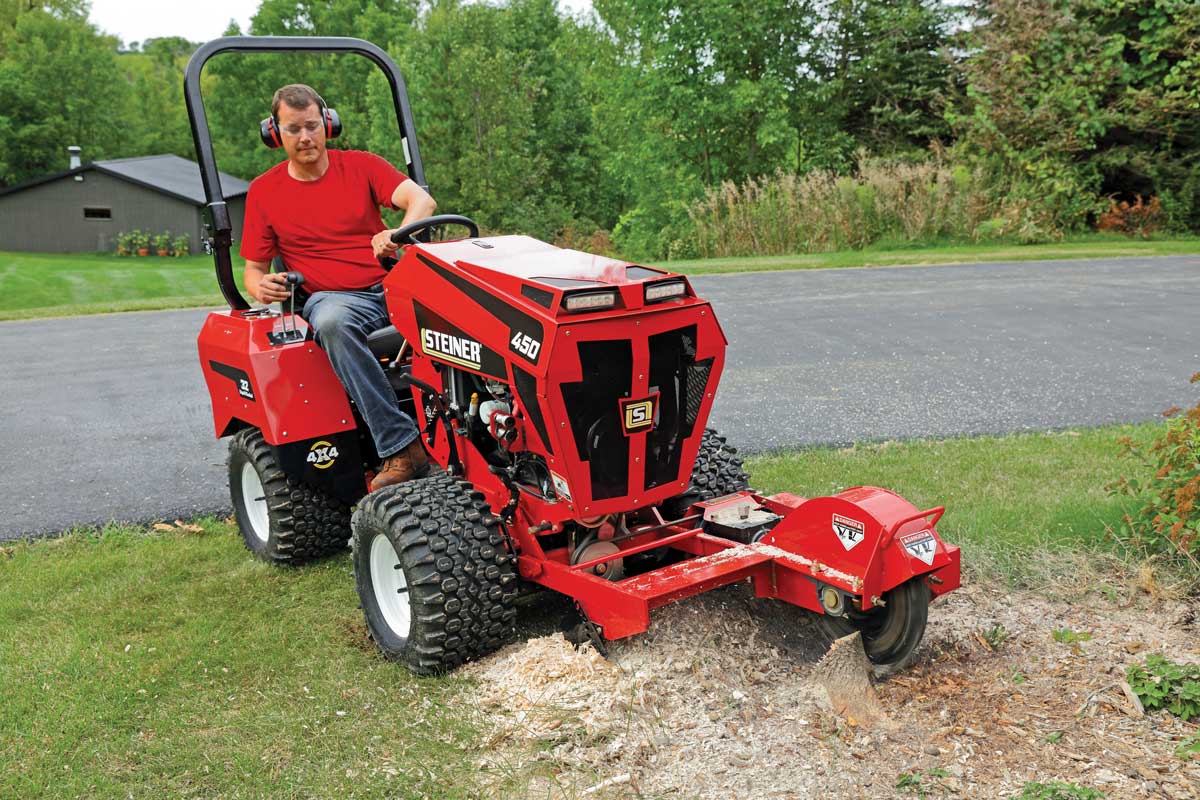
{"x": 221, "y": 239}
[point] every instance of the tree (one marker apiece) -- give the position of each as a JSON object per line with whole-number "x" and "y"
{"x": 59, "y": 85}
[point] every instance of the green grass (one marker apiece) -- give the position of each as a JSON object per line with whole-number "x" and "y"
{"x": 171, "y": 664}
{"x": 1088, "y": 246}
{"x": 52, "y": 284}
{"x": 1014, "y": 503}
{"x": 34, "y": 285}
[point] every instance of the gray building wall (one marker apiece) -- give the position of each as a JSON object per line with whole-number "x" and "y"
{"x": 49, "y": 217}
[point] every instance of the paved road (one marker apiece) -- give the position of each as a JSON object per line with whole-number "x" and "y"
{"x": 107, "y": 417}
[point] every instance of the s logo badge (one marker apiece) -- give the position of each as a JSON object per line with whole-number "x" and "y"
{"x": 637, "y": 416}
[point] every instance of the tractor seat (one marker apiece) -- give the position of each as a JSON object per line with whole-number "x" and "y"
{"x": 385, "y": 343}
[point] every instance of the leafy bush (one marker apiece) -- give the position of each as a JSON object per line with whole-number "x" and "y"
{"x": 162, "y": 242}
{"x": 1161, "y": 683}
{"x": 1139, "y": 219}
{"x": 139, "y": 239}
{"x": 1166, "y": 518}
{"x": 823, "y": 211}
{"x": 181, "y": 245}
{"x": 1056, "y": 790}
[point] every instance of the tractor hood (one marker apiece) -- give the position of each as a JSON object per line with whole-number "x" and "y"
{"x": 530, "y": 269}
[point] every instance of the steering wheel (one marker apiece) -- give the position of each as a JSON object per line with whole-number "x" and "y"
{"x": 407, "y": 234}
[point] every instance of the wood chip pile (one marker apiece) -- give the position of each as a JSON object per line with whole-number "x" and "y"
{"x": 720, "y": 699}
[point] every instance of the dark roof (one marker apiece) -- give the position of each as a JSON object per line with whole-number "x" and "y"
{"x": 168, "y": 174}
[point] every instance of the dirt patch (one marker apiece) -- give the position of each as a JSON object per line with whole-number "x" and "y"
{"x": 719, "y": 700}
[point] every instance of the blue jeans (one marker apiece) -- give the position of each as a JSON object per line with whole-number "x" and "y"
{"x": 341, "y": 322}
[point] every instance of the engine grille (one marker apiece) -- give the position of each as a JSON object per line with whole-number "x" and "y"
{"x": 592, "y": 406}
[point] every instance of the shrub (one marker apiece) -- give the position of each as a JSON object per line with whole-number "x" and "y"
{"x": 1140, "y": 219}
{"x": 182, "y": 245}
{"x": 1167, "y": 489}
{"x": 162, "y": 243}
{"x": 1161, "y": 683}
{"x": 896, "y": 203}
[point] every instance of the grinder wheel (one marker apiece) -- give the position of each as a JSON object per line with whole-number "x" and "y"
{"x": 890, "y": 634}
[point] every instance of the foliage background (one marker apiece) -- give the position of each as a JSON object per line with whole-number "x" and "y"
{"x": 675, "y": 128}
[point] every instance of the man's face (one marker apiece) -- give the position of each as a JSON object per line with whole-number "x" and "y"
{"x": 303, "y": 133}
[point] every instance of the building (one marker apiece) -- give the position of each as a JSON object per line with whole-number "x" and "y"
{"x": 83, "y": 209}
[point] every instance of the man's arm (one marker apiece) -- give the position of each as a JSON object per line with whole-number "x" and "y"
{"x": 417, "y": 205}
{"x": 262, "y": 284}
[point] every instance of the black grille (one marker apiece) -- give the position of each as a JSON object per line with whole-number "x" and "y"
{"x": 592, "y": 406}
{"x": 680, "y": 381}
{"x": 697, "y": 382}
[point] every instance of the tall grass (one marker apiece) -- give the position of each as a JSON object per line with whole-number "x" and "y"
{"x": 891, "y": 203}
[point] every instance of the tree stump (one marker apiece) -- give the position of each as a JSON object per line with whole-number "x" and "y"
{"x": 845, "y": 673}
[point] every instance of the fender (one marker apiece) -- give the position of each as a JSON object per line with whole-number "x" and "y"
{"x": 242, "y": 367}
{"x": 870, "y": 538}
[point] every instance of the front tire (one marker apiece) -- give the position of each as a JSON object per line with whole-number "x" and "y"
{"x": 434, "y": 578}
{"x": 281, "y": 521}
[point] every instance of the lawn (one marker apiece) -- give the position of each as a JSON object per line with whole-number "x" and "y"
{"x": 48, "y": 285}
{"x": 52, "y": 284}
{"x": 169, "y": 663}
{"x": 1087, "y": 246}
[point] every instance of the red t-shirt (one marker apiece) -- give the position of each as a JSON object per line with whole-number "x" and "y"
{"x": 322, "y": 228}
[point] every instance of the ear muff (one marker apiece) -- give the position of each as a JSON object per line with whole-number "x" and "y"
{"x": 333, "y": 123}
{"x": 269, "y": 131}
{"x": 269, "y": 127}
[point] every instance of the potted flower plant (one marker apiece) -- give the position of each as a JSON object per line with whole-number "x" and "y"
{"x": 124, "y": 243}
{"x": 141, "y": 242}
{"x": 162, "y": 243}
{"x": 182, "y": 245}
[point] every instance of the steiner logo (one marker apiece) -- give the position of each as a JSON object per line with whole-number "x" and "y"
{"x": 637, "y": 416}
{"x": 455, "y": 349}
{"x": 322, "y": 454}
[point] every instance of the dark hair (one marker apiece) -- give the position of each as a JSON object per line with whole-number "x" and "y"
{"x": 296, "y": 95}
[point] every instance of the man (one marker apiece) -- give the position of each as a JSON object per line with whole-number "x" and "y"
{"x": 320, "y": 211}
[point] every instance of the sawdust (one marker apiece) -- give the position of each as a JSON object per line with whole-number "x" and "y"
{"x": 720, "y": 699}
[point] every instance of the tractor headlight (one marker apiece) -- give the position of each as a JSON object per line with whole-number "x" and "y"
{"x": 589, "y": 301}
{"x": 665, "y": 290}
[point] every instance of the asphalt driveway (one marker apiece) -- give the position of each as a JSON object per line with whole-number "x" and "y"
{"x": 107, "y": 417}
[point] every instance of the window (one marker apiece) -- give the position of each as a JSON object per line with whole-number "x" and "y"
{"x": 92, "y": 212}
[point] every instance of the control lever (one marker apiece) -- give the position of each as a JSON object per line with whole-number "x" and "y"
{"x": 293, "y": 334}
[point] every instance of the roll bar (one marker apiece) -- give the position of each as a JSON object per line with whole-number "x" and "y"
{"x": 221, "y": 238}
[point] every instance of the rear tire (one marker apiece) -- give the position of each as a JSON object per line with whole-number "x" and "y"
{"x": 281, "y": 521}
{"x": 718, "y": 471}
{"x": 434, "y": 578}
{"x": 890, "y": 634}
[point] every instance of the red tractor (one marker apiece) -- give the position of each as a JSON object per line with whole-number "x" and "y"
{"x": 564, "y": 398}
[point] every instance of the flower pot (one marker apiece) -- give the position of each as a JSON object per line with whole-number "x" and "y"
{"x": 143, "y": 251}
{"x": 163, "y": 252}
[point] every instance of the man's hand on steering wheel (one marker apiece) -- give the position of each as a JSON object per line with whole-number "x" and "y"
{"x": 383, "y": 245}
{"x": 386, "y": 243}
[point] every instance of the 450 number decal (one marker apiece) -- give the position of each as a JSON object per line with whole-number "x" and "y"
{"x": 525, "y": 345}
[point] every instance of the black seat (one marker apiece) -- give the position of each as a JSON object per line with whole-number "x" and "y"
{"x": 385, "y": 343}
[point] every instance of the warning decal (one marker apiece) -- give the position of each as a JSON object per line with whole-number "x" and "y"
{"x": 849, "y": 531}
{"x": 920, "y": 545}
{"x": 560, "y": 486}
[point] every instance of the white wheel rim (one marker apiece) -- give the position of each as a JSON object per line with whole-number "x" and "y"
{"x": 391, "y": 589}
{"x": 255, "y": 501}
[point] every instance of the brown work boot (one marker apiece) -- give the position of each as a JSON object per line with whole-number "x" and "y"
{"x": 411, "y": 462}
